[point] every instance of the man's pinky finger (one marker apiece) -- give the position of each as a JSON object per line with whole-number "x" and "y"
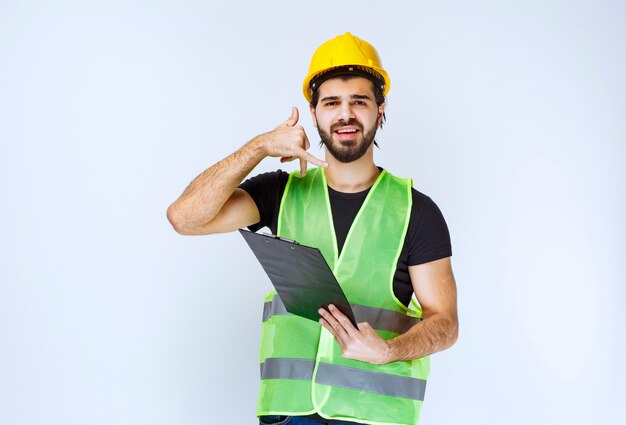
{"x": 313, "y": 160}
{"x": 302, "y": 167}
{"x": 327, "y": 326}
{"x": 323, "y": 323}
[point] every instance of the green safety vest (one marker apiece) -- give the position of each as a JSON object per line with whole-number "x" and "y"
{"x": 302, "y": 370}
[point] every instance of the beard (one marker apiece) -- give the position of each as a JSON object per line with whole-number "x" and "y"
{"x": 347, "y": 151}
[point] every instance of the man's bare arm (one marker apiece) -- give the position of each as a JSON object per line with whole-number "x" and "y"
{"x": 213, "y": 204}
{"x": 435, "y": 288}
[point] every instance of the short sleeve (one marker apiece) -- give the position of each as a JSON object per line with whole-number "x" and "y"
{"x": 427, "y": 236}
{"x": 266, "y": 190}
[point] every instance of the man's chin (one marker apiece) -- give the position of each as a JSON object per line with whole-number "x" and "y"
{"x": 346, "y": 155}
{"x": 353, "y": 141}
{"x": 346, "y": 144}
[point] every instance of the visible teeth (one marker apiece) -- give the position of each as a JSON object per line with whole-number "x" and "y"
{"x": 346, "y": 131}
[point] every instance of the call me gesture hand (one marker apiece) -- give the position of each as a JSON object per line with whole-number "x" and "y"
{"x": 289, "y": 142}
{"x": 362, "y": 343}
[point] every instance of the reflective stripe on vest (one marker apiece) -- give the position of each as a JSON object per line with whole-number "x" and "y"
{"x": 378, "y": 318}
{"x": 345, "y": 377}
{"x": 274, "y": 368}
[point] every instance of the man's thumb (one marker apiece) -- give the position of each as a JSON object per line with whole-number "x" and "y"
{"x": 293, "y": 119}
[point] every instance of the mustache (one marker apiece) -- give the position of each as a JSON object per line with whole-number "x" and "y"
{"x": 351, "y": 121}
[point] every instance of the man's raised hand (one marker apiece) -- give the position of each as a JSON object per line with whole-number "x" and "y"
{"x": 289, "y": 141}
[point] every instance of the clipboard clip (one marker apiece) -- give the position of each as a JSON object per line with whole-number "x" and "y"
{"x": 269, "y": 235}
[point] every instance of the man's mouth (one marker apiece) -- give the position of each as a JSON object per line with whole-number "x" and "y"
{"x": 346, "y": 133}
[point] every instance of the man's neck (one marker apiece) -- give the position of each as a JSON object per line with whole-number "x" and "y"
{"x": 352, "y": 177}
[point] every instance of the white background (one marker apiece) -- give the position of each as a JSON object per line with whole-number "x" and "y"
{"x": 510, "y": 115}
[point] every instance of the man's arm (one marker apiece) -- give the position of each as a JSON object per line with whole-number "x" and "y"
{"x": 435, "y": 289}
{"x": 213, "y": 204}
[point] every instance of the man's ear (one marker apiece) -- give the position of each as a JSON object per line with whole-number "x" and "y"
{"x": 381, "y": 113}
{"x": 313, "y": 117}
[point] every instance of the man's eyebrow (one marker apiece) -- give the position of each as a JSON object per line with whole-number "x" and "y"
{"x": 352, "y": 96}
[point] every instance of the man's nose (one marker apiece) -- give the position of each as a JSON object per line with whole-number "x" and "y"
{"x": 345, "y": 112}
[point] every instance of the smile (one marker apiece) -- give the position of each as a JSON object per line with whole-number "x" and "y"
{"x": 347, "y": 132}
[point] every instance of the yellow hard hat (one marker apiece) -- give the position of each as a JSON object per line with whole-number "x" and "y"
{"x": 349, "y": 53}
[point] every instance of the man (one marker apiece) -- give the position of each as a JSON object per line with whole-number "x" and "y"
{"x": 383, "y": 239}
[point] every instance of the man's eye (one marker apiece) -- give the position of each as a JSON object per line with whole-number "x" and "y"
{"x": 359, "y": 102}
{"x": 330, "y": 103}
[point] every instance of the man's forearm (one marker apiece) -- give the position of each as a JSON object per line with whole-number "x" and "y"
{"x": 206, "y": 194}
{"x": 436, "y": 333}
{"x": 434, "y": 282}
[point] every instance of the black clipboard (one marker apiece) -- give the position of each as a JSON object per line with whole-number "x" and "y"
{"x": 300, "y": 274}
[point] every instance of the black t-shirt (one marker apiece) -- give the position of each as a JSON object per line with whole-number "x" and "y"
{"x": 427, "y": 238}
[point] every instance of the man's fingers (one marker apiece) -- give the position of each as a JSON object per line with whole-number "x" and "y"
{"x": 343, "y": 320}
{"x": 310, "y": 158}
{"x": 302, "y": 160}
{"x": 330, "y": 329}
{"x": 302, "y": 167}
{"x": 304, "y": 157}
{"x": 296, "y": 144}
{"x": 336, "y": 328}
{"x": 293, "y": 119}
